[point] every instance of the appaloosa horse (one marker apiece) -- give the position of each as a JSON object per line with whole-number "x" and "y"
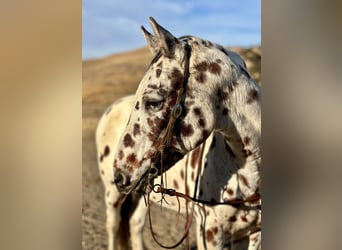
{"x": 191, "y": 89}
{"x": 211, "y": 156}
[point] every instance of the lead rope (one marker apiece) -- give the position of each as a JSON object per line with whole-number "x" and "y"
{"x": 187, "y": 226}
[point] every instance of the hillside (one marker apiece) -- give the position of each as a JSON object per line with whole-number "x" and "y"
{"x": 106, "y": 79}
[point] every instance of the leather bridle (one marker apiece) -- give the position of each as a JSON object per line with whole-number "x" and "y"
{"x": 176, "y": 110}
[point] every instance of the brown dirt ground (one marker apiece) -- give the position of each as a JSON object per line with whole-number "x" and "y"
{"x": 104, "y": 81}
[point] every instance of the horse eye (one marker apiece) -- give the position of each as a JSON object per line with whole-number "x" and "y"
{"x": 153, "y": 105}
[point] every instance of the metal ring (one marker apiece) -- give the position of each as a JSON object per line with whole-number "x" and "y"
{"x": 177, "y": 110}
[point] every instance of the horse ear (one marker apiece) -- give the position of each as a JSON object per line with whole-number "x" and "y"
{"x": 164, "y": 39}
{"x": 151, "y": 41}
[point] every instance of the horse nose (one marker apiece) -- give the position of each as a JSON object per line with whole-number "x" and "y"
{"x": 121, "y": 180}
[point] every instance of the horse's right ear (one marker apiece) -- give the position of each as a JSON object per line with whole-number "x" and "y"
{"x": 151, "y": 41}
{"x": 163, "y": 39}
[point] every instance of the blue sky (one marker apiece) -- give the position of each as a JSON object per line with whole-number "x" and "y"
{"x": 112, "y": 26}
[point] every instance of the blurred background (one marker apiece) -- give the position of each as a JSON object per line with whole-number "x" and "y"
{"x": 41, "y": 107}
{"x": 115, "y": 58}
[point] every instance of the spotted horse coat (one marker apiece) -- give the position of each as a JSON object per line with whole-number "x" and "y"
{"x": 211, "y": 91}
{"x": 216, "y": 154}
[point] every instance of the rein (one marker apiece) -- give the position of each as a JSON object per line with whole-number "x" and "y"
{"x": 237, "y": 203}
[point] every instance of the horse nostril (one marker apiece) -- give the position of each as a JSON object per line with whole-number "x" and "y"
{"x": 121, "y": 179}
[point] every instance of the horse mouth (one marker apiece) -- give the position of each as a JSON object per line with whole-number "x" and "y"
{"x": 144, "y": 181}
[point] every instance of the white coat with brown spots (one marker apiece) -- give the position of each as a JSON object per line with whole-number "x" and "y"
{"x": 216, "y": 153}
{"x": 219, "y": 95}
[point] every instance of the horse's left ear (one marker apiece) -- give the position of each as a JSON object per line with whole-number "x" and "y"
{"x": 151, "y": 41}
{"x": 166, "y": 41}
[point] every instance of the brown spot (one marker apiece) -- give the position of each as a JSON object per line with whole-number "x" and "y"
{"x": 232, "y": 218}
{"x": 202, "y": 67}
{"x": 225, "y": 111}
{"x": 160, "y": 123}
{"x": 160, "y": 64}
{"x": 149, "y": 122}
{"x": 158, "y": 72}
{"x": 230, "y": 191}
{"x": 200, "y": 77}
{"x": 244, "y": 180}
{"x": 151, "y": 137}
{"x": 192, "y": 175}
{"x": 187, "y": 129}
{"x": 131, "y": 159}
{"x": 198, "y": 112}
{"x": 222, "y": 95}
{"x": 201, "y": 122}
{"x": 136, "y": 129}
{"x": 152, "y": 86}
{"x": 175, "y": 184}
{"x": 209, "y": 235}
{"x": 115, "y": 164}
{"x": 187, "y": 190}
{"x": 243, "y": 218}
{"x": 176, "y": 79}
{"x": 128, "y": 141}
{"x": 205, "y": 43}
{"x": 246, "y": 140}
{"x": 255, "y": 239}
{"x": 218, "y": 60}
{"x": 214, "y": 68}
{"x": 121, "y": 155}
{"x": 102, "y": 172}
{"x": 253, "y": 95}
{"x": 107, "y": 193}
{"x": 106, "y": 151}
{"x": 182, "y": 174}
{"x": 215, "y": 230}
{"x": 137, "y": 105}
{"x": 162, "y": 92}
{"x": 195, "y": 156}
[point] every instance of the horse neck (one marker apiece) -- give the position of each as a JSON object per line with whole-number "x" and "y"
{"x": 238, "y": 119}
